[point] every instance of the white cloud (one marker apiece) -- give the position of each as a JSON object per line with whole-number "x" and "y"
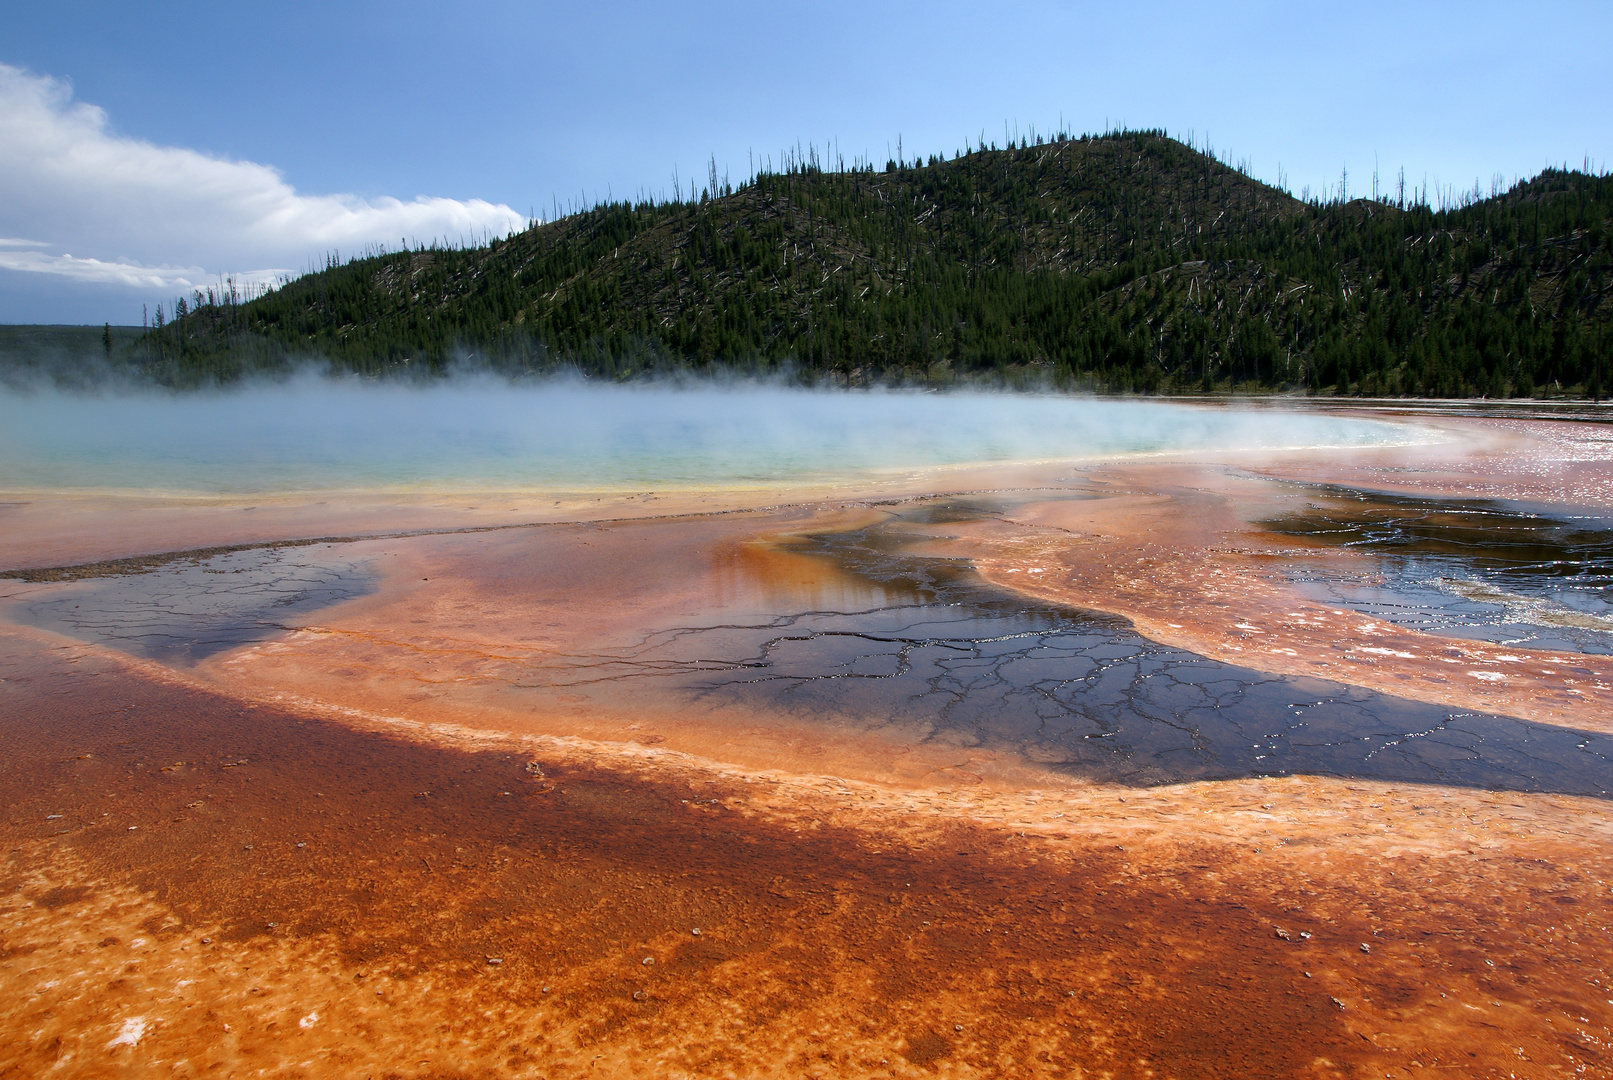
{"x": 101, "y": 270}
{"x": 121, "y": 211}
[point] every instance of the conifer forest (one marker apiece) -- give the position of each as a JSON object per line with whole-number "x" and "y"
{"x": 1128, "y": 262}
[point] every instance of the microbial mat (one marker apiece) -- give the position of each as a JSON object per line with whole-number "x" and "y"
{"x": 766, "y": 732}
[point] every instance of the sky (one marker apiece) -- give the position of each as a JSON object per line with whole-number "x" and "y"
{"x": 147, "y": 150}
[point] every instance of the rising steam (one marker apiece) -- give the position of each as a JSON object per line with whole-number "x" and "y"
{"x": 486, "y": 433}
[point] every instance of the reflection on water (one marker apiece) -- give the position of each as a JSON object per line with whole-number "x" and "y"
{"x": 184, "y": 612}
{"x": 764, "y": 578}
{"x": 1467, "y": 568}
{"x": 927, "y": 647}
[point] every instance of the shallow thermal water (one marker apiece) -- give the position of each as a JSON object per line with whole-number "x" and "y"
{"x": 1470, "y": 568}
{"x": 313, "y": 434}
{"x": 941, "y": 653}
{"x": 191, "y": 609}
{"x": 915, "y": 647}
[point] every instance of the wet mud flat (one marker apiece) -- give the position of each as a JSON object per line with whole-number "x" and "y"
{"x": 947, "y": 657}
{"x": 1485, "y": 569}
{"x": 194, "y": 886}
{"x": 184, "y": 610}
{"x": 913, "y": 647}
{"x": 1274, "y": 574}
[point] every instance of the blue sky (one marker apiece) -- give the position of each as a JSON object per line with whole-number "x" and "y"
{"x": 250, "y": 139}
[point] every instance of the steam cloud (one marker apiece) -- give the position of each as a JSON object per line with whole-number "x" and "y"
{"x": 481, "y": 432}
{"x": 80, "y": 202}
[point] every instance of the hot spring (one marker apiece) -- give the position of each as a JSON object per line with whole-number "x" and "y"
{"x": 311, "y": 434}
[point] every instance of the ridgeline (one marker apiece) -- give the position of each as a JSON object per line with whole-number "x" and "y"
{"x": 1127, "y": 263}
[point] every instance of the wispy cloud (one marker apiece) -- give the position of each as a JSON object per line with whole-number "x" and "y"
{"x": 112, "y": 272}
{"x": 112, "y": 209}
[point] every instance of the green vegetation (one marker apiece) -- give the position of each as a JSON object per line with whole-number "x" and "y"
{"x": 1126, "y": 262}
{"x": 69, "y": 355}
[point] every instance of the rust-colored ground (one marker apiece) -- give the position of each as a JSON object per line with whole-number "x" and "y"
{"x": 1174, "y": 548}
{"x": 232, "y": 889}
{"x": 304, "y": 857}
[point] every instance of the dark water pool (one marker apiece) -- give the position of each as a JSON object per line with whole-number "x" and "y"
{"x": 923, "y": 648}
{"x": 189, "y": 610}
{"x": 963, "y": 662}
{"x": 1470, "y": 568}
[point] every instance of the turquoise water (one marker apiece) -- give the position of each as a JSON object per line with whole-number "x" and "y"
{"x": 317, "y": 434}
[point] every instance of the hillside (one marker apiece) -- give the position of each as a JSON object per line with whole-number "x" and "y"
{"x": 69, "y": 355}
{"x": 1122, "y": 262}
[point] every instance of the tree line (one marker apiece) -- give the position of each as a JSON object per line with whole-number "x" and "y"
{"x": 1122, "y": 262}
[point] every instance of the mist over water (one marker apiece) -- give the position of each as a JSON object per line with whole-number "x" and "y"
{"x": 485, "y": 433}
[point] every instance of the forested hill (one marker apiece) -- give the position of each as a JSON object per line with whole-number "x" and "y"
{"x": 1121, "y": 262}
